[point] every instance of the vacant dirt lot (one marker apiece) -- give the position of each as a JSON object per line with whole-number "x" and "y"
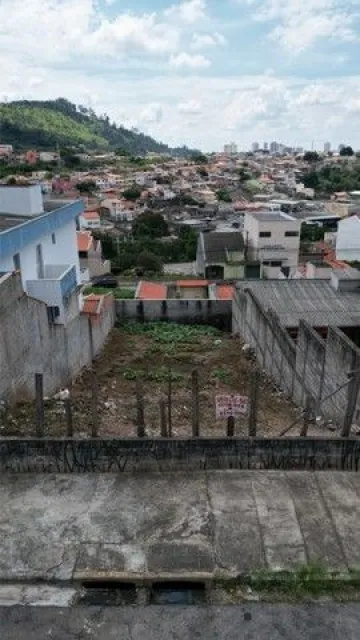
{"x": 151, "y": 352}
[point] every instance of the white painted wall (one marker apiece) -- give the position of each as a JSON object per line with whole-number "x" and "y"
{"x": 290, "y": 253}
{"x": 63, "y": 251}
{"x": 93, "y": 223}
{"x": 21, "y": 200}
{"x": 348, "y": 239}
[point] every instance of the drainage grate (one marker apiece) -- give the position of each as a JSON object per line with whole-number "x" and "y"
{"x": 178, "y": 592}
{"x": 108, "y": 593}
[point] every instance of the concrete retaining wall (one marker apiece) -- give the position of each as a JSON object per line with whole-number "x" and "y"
{"x": 30, "y": 344}
{"x": 217, "y": 313}
{"x": 134, "y": 455}
{"x": 310, "y": 366}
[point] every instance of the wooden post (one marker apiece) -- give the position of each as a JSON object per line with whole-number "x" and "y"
{"x": 230, "y": 427}
{"x": 307, "y": 417}
{"x": 69, "y": 420}
{"x": 169, "y": 404}
{"x": 254, "y": 389}
{"x": 353, "y": 393}
{"x": 40, "y": 413}
{"x": 163, "y": 426}
{"x": 140, "y": 418}
{"x": 94, "y": 391}
{"x": 195, "y": 404}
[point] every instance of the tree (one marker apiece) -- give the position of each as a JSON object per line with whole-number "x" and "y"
{"x": 148, "y": 262}
{"x": 133, "y": 193}
{"x": 346, "y": 151}
{"x": 121, "y": 152}
{"x": 150, "y": 224}
{"x": 223, "y": 195}
{"x": 311, "y": 156}
{"x": 86, "y": 186}
{"x": 199, "y": 158}
{"x": 311, "y": 180}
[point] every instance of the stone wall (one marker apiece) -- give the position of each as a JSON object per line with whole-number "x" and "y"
{"x": 217, "y": 313}
{"x": 30, "y": 344}
{"x": 139, "y": 455}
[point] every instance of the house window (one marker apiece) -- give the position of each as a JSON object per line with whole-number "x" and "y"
{"x": 53, "y": 238}
{"x": 39, "y": 262}
{"x": 16, "y": 261}
{"x": 83, "y": 255}
{"x": 265, "y": 234}
{"x": 291, "y": 234}
{"x": 53, "y": 313}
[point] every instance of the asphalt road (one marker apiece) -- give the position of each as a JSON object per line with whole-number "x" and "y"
{"x": 244, "y": 622}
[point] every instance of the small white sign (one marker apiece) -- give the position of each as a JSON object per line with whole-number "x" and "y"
{"x": 231, "y": 405}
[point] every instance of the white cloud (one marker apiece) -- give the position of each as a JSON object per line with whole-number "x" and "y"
{"x": 189, "y": 11}
{"x": 191, "y": 106}
{"x": 204, "y": 40}
{"x": 152, "y": 113}
{"x": 185, "y": 60}
{"x": 301, "y": 23}
{"x": 57, "y": 30}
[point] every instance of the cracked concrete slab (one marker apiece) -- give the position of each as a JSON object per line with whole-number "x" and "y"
{"x": 61, "y": 527}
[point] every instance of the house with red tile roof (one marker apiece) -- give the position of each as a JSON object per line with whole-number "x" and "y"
{"x": 90, "y": 220}
{"x": 151, "y": 291}
{"x": 90, "y": 256}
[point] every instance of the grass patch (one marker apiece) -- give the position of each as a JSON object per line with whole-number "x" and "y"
{"x": 161, "y": 374}
{"x": 223, "y": 375}
{"x": 119, "y": 293}
{"x": 170, "y": 332}
{"x": 308, "y": 580}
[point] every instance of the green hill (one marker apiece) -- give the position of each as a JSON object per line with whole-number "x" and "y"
{"x": 47, "y": 124}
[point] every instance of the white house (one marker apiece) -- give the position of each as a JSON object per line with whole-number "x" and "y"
{"x": 348, "y": 239}
{"x": 90, "y": 220}
{"x": 273, "y": 240}
{"x": 42, "y": 246}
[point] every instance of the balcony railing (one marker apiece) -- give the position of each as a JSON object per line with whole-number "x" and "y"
{"x": 56, "y": 285}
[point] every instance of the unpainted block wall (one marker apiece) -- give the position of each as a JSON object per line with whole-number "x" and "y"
{"x": 29, "y": 344}
{"x": 310, "y": 367}
{"x": 310, "y": 362}
{"x": 217, "y": 313}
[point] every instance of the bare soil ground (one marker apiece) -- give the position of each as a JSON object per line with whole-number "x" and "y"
{"x": 150, "y": 353}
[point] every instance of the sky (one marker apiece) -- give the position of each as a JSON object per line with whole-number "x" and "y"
{"x": 196, "y": 72}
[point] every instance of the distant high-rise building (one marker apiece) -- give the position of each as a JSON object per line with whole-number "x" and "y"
{"x": 327, "y": 147}
{"x": 274, "y": 147}
{"x": 266, "y": 146}
{"x": 255, "y": 146}
{"x": 230, "y": 148}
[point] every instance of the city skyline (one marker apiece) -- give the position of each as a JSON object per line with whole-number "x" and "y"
{"x": 194, "y": 72}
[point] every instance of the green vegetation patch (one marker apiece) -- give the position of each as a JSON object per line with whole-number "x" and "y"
{"x": 170, "y": 333}
{"x": 160, "y": 374}
{"x": 308, "y": 580}
{"x": 119, "y": 293}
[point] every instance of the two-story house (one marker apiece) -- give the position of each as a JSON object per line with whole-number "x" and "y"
{"x": 220, "y": 256}
{"x": 273, "y": 241}
{"x": 39, "y": 241}
{"x": 90, "y": 256}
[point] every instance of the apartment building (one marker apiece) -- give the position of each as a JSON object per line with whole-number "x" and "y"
{"x": 273, "y": 240}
